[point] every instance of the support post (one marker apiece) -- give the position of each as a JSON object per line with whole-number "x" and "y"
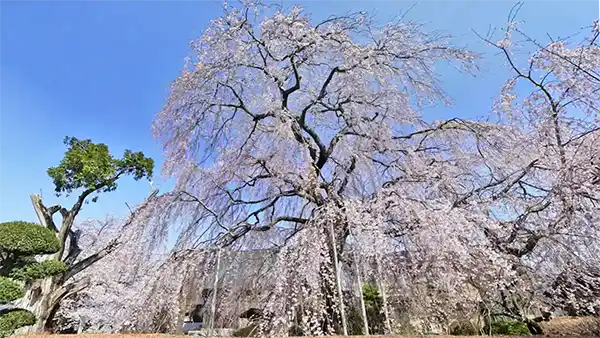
{"x": 339, "y": 281}
{"x": 213, "y": 309}
{"x": 362, "y": 298}
{"x": 381, "y": 287}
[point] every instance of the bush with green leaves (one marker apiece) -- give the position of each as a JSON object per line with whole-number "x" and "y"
{"x": 374, "y": 308}
{"x": 13, "y": 320}
{"x": 507, "y": 327}
{"x": 20, "y": 242}
{"x": 38, "y": 270}
{"x": 19, "y": 239}
{"x": 10, "y": 290}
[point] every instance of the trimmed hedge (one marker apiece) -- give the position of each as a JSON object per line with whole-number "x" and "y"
{"x": 13, "y": 320}
{"x": 10, "y": 290}
{"x": 26, "y": 239}
{"x": 39, "y": 270}
{"x": 20, "y": 242}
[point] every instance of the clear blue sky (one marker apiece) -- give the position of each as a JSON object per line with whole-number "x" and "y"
{"x": 100, "y": 70}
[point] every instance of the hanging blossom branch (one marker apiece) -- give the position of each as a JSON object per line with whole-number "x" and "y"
{"x": 279, "y": 128}
{"x": 261, "y": 155}
{"x": 542, "y": 184}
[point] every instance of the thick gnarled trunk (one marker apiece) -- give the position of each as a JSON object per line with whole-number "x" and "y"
{"x": 43, "y": 297}
{"x": 333, "y": 320}
{"x": 38, "y": 300}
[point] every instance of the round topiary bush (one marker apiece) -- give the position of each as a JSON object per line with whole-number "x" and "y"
{"x": 20, "y": 242}
{"x": 9, "y": 290}
{"x": 25, "y": 238}
{"x": 39, "y": 270}
{"x": 13, "y": 320}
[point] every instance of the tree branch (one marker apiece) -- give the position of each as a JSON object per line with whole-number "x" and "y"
{"x": 44, "y": 214}
{"x": 74, "y": 249}
{"x": 85, "y": 263}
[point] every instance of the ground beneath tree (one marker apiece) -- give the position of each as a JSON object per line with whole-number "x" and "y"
{"x": 165, "y": 336}
{"x": 562, "y": 327}
{"x": 572, "y": 326}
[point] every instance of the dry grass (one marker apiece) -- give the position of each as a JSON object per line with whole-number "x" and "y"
{"x": 572, "y": 326}
{"x": 557, "y": 327}
{"x": 99, "y": 335}
{"x": 165, "y": 336}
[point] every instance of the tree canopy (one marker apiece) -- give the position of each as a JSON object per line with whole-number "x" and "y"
{"x": 86, "y": 168}
{"x": 309, "y": 137}
{"x": 91, "y": 166}
{"x": 306, "y": 142}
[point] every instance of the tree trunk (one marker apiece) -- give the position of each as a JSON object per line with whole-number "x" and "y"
{"x": 330, "y": 322}
{"x": 338, "y": 280}
{"x": 39, "y": 294}
{"x": 332, "y": 319}
{"x": 38, "y": 300}
{"x": 43, "y": 297}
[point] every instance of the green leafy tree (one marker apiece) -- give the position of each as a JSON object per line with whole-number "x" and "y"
{"x": 87, "y": 170}
{"x": 19, "y": 243}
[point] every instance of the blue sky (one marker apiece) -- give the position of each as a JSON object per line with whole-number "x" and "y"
{"x": 101, "y": 70}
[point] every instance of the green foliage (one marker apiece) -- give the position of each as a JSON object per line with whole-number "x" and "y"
{"x": 85, "y": 165}
{"x": 25, "y": 239}
{"x": 39, "y": 270}
{"x": 10, "y": 290}
{"x": 507, "y": 327}
{"x": 90, "y": 166}
{"x": 371, "y": 296}
{"x": 19, "y": 243}
{"x": 13, "y": 320}
{"x": 374, "y": 307}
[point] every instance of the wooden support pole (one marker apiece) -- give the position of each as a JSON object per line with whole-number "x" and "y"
{"x": 213, "y": 310}
{"x": 381, "y": 287}
{"x": 362, "y": 298}
{"x": 339, "y": 281}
